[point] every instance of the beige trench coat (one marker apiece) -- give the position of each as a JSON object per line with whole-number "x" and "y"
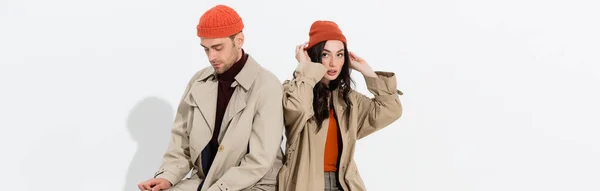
{"x": 303, "y": 166}
{"x": 253, "y": 119}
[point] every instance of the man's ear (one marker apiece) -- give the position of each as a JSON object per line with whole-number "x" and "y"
{"x": 239, "y": 40}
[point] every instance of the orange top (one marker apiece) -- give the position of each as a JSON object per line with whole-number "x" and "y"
{"x": 331, "y": 144}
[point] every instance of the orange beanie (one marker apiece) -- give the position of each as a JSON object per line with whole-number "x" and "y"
{"x": 219, "y": 22}
{"x": 324, "y": 30}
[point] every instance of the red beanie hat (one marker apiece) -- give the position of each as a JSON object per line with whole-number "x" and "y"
{"x": 219, "y": 22}
{"x": 324, "y": 30}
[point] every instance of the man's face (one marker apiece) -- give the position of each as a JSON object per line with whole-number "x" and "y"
{"x": 222, "y": 52}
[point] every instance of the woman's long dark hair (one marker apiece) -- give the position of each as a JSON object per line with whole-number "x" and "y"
{"x": 321, "y": 91}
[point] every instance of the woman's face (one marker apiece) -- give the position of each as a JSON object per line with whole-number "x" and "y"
{"x": 332, "y": 58}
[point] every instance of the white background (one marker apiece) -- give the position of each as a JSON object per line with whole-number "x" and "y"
{"x": 499, "y": 95}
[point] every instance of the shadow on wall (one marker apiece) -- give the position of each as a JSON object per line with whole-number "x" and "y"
{"x": 149, "y": 124}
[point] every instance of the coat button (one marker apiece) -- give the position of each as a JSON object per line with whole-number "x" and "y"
{"x": 221, "y": 148}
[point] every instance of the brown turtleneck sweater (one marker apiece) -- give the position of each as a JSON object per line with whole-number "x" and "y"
{"x": 225, "y": 91}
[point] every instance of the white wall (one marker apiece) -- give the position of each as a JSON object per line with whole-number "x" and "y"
{"x": 499, "y": 95}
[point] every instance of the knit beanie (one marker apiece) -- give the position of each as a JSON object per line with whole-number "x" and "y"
{"x": 324, "y": 30}
{"x": 219, "y": 22}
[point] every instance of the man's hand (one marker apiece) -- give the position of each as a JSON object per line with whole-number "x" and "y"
{"x": 155, "y": 184}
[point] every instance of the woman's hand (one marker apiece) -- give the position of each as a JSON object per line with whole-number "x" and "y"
{"x": 301, "y": 54}
{"x": 359, "y": 64}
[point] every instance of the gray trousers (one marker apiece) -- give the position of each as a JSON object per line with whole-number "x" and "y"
{"x": 331, "y": 182}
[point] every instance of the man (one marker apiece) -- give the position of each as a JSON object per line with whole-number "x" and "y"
{"x": 229, "y": 123}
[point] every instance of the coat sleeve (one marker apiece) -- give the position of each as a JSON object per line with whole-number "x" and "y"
{"x": 264, "y": 143}
{"x": 380, "y": 111}
{"x": 176, "y": 161}
{"x": 298, "y": 97}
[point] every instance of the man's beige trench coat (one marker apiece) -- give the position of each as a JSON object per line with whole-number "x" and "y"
{"x": 253, "y": 120}
{"x": 305, "y": 146}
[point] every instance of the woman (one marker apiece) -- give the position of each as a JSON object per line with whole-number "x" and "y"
{"x": 324, "y": 116}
